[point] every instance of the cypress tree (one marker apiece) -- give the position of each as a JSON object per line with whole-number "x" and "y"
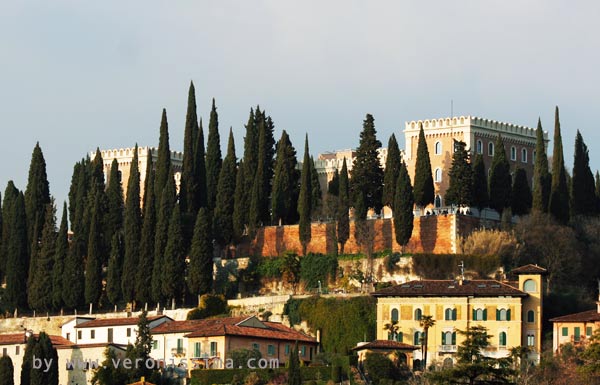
{"x": 188, "y": 183}
{"x": 559, "y": 192}
{"x": 163, "y": 162}
{"x": 480, "y": 184}
{"x": 115, "y": 263}
{"x": 2, "y": 265}
{"x": 225, "y": 202}
{"x": 240, "y": 213}
{"x": 26, "y": 366}
{"x": 200, "y": 198}
{"x": 34, "y": 250}
{"x": 541, "y": 175}
{"x": 40, "y": 297}
{"x": 403, "y": 212}
{"x": 6, "y": 371}
{"x": 343, "y": 220}
{"x": 213, "y": 158}
{"x": 316, "y": 196}
{"x": 461, "y": 177}
{"x": 250, "y": 156}
{"x": 294, "y": 374}
{"x": 367, "y": 175}
{"x": 583, "y": 189}
{"x": 98, "y": 191}
{"x": 72, "y": 293}
{"x": 44, "y": 351}
{"x": 333, "y": 186}
{"x": 254, "y": 211}
{"x": 132, "y": 229}
{"x": 174, "y": 260}
{"x": 500, "y": 179}
{"x": 521, "y": 194}
{"x": 37, "y": 193}
{"x": 60, "y": 256}
{"x": 200, "y": 275}
{"x": 305, "y": 200}
{"x": 423, "y": 185}
{"x": 167, "y": 205}
{"x": 114, "y": 196}
{"x": 93, "y": 261}
{"x": 10, "y": 196}
{"x": 143, "y": 279}
{"x": 597, "y": 191}
{"x": 77, "y": 170}
{"x": 392, "y": 170}
{"x": 16, "y": 258}
{"x": 284, "y": 195}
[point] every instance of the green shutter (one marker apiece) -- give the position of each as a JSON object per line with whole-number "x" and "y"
{"x": 453, "y": 314}
{"x": 474, "y": 315}
{"x": 577, "y": 333}
{"x": 497, "y": 314}
{"x": 454, "y": 338}
{"x": 565, "y": 332}
{"x": 485, "y": 314}
{"x": 508, "y": 315}
{"x": 400, "y": 337}
{"x": 588, "y": 331}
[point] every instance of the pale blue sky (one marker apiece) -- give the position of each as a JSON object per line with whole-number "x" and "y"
{"x": 76, "y": 75}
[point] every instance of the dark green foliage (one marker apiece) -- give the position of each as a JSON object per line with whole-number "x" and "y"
{"x": 480, "y": 184}
{"x": 27, "y": 360}
{"x": 316, "y": 197}
{"x": 343, "y": 322}
{"x": 40, "y": 295}
{"x": 213, "y": 158}
{"x": 93, "y": 261}
{"x": 115, "y": 263}
{"x": 73, "y": 292}
{"x": 444, "y": 266}
{"x": 342, "y": 216}
{"x": 521, "y": 193}
{"x": 200, "y": 273}
{"x": 333, "y": 187}
{"x": 500, "y": 179}
{"x": 597, "y": 188}
{"x": 423, "y": 184}
{"x": 107, "y": 373}
{"x": 392, "y": 169}
{"x": 270, "y": 267}
{"x": 229, "y": 376}
{"x": 210, "y": 305}
{"x": 142, "y": 346}
{"x": 37, "y": 193}
{"x": 318, "y": 267}
{"x": 188, "y": 184}
{"x": 240, "y": 213}
{"x": 294, "y": 375}
{"x": 255, "y": 209}
{"x": 132, "y": 228}
{"x": 241, "y": 357}
{"x": 174, "y": 260}
{"x": 60, "y": 256}
{"x": 284, "y": 195}
{"x": 200, "y": 198}
{"x": 167, "y": 205}
{"x": 583, "y": 189}
{"x": 223, "y": 218}
{"x": 44, "y": 350}
{"x": 305, "y": 200}
{"x": 2, "y": 260}
{"x": 403, "y": 207}
{"x": 290, "y": 269}
{"x": 461, "y": 177}
{"x": 163, "y": 162}
{"x": 114, "y": 196}
{"x": 16, "y": 253}
{"x": 380, "y": 368}
{"x": 34, "y": 250}
{"x": 367, "y": 174}
{"x": 559, "y": 192}
{"x": 261, "y": 187}
{"x": 143, "y": 279}
{"x": 541, "y": 175}
{"x": 6, "y": 371}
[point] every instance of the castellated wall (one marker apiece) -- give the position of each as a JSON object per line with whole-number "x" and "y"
{"x": 438, "y": 234}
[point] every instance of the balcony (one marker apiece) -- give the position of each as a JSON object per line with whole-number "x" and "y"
{"x": 178, "y": 352}
{"x": 447, "y": 348}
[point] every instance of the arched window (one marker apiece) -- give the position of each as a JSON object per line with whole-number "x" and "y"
{"x": 417, "y": 338}
{"x": 448, "y": 363}
{"x": 399, "y": 336}
{"x": 438, "y": 175}
{"x": 438, "y": 148}
{"x": 524, "y": 155}
{"x": 530, "y": 316}
{"x": 502, "y": 315}
{"x": 529, "y": 286}
{"x": 394, "y": 314}
{"x": 513, "y": 153}
{"x": 450, "y": 314}
{"x": 502, "y": 339}
{"x": 533, "y": 156}
{"x": 438, "y": 201}
{"x": 418, "y": 314}
{"x": 479, "y": 147}
{"x": 491, "y": 148}
{"x": 479, "y": 314}
{"x": 448, "y": 338}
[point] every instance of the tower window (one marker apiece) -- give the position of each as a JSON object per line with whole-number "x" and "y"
{"x": 479, "y": 147}
{"x": 524, "y": 155}
{"x": 513, "y": 153}
{"x": 438, "y": 148}
{"x": 438, "y": 175}
{"x": 491, "y": 149}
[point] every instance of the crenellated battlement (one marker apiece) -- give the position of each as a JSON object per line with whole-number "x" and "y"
{"x": 128, "y": 152}
{"x": 471, "y": 121}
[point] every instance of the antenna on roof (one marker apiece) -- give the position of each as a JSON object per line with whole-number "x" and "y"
{"x": 462, "y": 271}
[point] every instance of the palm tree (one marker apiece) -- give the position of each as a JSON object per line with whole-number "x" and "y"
{"x": 426, "y": 322}
{"x": 393, "y": 328}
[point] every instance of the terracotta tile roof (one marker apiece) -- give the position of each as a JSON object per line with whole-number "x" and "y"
{"x": 177, "y": 327}
{"x": 115, "y": 321}
{"x": 584, "y": 316}
{"x": 19, "y": 338}
{"x": 386, "y": 345}
{"x": 229, "y": 326}
{"x": 94, "y": 345}
{"x": 530, "y": 269}
{"x": 450, "y": 288}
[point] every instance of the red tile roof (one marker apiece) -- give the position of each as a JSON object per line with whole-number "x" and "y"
{"x": 230, "y": 327}
{"x": 19, "y": 338}
{"x": 584, "y": 316}
{"x": 450, "y": 288}
{"x": 530, "y": 269}
{"x": 177, "y": 327}
{"x": 115, "y": 321}
{"x": 386, "y": 345}
{"x": 94, "y": 345}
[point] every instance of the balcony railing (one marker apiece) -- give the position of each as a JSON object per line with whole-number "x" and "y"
{"x": 447, "y": 348}
{"x": 178, "y": 352}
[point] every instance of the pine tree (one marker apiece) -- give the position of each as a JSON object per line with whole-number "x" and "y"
{"x": 500, "y": 179}
{"x": 461, "y": 177}
{"x": 423, "y": 185}
{"x": 114, "y": 196}
{"x": 403, "y": 212}
{"x": 541, "y": 175}
{"x": 559, "y": 192}
{"x": 115, "y": 263}
{"x": 367, "y": 175}
{"x": 480, "y": 184}
{"x": 93, "y": 261}
{"x": 200, "y": 275}
{"x": 16, "y": 258}
{"x": 6, "y": 371}
{"x": 304, "y": 200}
{"x": 392, "y": 170}
{"x": 223, "y": 217}
{"x": 200, "y": 198}
{"x": 213, "y": 158}
{"x": 167, "y": 205}
{"x": 240, "y": 212}
{"x": 143, "y": 279}
{"x": 583, "y": 189}
{"x": 316, "y": 196}
{"x": 174, "y": 260}
{"x": 521, "y": 193}
{"x": 37, "y": 193}
{"x": 343, "y": 220}
{"x": 188, "y": 183}
{"x": 163, "y": 162}
{"x": 39, "y": 295}
{"x": 284, "y": 195}
{"x": 60, "y": 256}
{"x": 132, "y": 229}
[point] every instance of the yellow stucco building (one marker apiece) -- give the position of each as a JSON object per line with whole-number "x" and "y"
{"x": 575, "y": 328}
{"x": 511, "y": 312}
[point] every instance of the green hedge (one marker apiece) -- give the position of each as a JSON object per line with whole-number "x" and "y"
{"x": 225, "y": 376}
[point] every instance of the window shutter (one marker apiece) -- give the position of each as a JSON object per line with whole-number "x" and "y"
{"x": 443, "y": 339}
{"x": 508, "y": 315}
{"x": 474, "y": 315}
{"x": 454, "y": 338}
{"x": 454, "y": 314}
{"x": 497, "y": 315}
{"x": 400, "y": 337}
{"x": 485, "y": 314}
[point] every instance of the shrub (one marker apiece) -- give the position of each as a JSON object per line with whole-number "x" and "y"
{"x": 210, "y": 305}
{"x": 317, "y": 267}
{"x": 391, "y": 262}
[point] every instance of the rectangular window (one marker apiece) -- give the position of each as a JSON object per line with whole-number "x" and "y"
{"x": 69, "y": 336}
{"x": 92, "y": 334}
{"x": 79, "y": 333}
{"x": 271, "y": 350}
{"x": 530, "y": 340}
{"x": 197, "y": 349}
{"x": 4, "y": 352}
{"x": 588, "y": 331}
{"x": 154, "y": 344}
{"x": 256, "y": 346}
{"x": 513, "y": 153}
{"x": 303, "y": 351}
{"x": 213, "y": 349}
{"x": 287, "y": 350}
{"x": 110, "y": 334}
{"x": 128, "y": 332}
{"x": 565, "y": 332}
{"x": 577, "y": 334}
{"x": 17, "y": 350}
{"x": 179, "y": 345}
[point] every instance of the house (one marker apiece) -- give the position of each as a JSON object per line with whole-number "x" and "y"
{"x": 76, "y": 362}
{"x": 575, "y": 328}
{"x": 392, "y": 349}
{"x": 511, "y": 312}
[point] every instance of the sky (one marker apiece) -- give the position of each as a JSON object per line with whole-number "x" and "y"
{"x": 78, "y": 75}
